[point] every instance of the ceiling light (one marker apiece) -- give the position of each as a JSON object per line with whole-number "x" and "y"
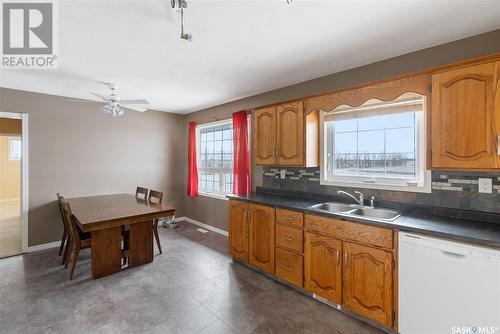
{"x": 112, "y": 110}
{"x": 289, "y": 2}
{"x": 181, "y": 5}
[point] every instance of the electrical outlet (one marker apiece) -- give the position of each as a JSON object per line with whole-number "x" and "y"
{"x": 485, "y": 185}
{"x": 282, "y": 173}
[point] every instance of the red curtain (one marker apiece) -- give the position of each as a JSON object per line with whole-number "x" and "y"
{"x": 241, "y": 175}
{"x": 192, "y": 184}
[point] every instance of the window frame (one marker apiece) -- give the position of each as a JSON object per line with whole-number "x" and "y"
{"x": 222, "y": 171}
{"x": 423, "y": 183}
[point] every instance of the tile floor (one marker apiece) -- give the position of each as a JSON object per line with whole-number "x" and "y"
{"x": 10, "y": 228}
{"x": 194, "y": 287}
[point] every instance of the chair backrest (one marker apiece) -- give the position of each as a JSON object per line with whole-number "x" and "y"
{"x": 60, "y": 199}
{"x": 72, "y": 229}
{"x": 141, "y": 193}
{"x": 155, "y": 196}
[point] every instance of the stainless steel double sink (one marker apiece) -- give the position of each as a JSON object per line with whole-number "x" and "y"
{"x": 358, "y": 211}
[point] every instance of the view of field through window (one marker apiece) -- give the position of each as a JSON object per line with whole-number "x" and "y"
{"x": 215, "y": 158}
{"x": 376, "y": 146}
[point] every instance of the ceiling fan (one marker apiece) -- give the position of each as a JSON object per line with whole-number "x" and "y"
{"x": 115, "y": 102}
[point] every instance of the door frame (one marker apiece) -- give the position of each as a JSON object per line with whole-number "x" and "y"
{"x": 24, "y": 174}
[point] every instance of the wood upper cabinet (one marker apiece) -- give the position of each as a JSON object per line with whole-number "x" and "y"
{"x": 466, "y": 117}
{"x": 262, "y": 229}
{"x": 264, "y": 136}
{"x": 323, "y": 266}
{"x": 285, "y": 135}
{"x": 290, "y": 134}
{"x": 238, "y": 229}
{"x": 368, "y": 282}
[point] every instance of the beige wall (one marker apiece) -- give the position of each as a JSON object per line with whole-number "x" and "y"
{"x": 77, "y": 150}
{"x": 10, "y": 172}
{"x": 214, "y": 211}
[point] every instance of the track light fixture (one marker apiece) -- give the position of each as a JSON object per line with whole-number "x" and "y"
{"x": 181, "y": 5}
{"x": 289, "y": 2}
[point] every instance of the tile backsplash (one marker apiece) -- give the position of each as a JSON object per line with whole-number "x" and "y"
{"x": 450, "y": 189}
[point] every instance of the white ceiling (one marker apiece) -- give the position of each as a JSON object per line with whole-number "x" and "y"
{"x": 239, "y": 48}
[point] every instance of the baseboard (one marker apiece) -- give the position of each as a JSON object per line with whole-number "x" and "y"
{"x": 206, "y": 226}
{"x": 44, "y": 246}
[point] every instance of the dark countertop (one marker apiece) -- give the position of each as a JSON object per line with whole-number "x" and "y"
{"x": 477, "y": 232}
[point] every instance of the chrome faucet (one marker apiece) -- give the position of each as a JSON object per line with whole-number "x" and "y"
{"x": 360, "y": 201}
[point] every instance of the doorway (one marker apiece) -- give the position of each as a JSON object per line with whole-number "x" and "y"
{"x": 12, "y": 239}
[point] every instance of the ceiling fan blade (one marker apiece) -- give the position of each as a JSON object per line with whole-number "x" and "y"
{"x": 136, "y": 108}
{"x": 141, "y": 101}
{"x": 100, "y": 96}
{"x": 77, "y": 100}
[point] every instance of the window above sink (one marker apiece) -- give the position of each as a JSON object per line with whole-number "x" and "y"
{"x": 376, "y": 145}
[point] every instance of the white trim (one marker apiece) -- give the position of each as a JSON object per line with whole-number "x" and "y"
{"x": 213, "y": 195}
{"x": 206, "y": 226}
{"x": 24, "y": 175}
{"x": 424, "y": 175}
{"x": 10, "y": 115}
{"x": 24, "y": 181}
{"x": 41, "y": 247}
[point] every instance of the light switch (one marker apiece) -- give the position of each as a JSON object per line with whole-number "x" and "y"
{"x": 485, "y": 185}
{"x": 282, "y": 173}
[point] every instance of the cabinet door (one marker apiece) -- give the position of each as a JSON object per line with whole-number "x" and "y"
{"x": 323, "y": 267}
{"x": 464, "y": 133}
{"x": 238, "y": 229}
{"x": 264, "y": 136}
{"x": 368, "y": 282}
{"x": 290, "y": 134}
{"x": 262, "y": 237}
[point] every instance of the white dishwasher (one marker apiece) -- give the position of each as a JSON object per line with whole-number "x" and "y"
{"x": 447, "y": 287}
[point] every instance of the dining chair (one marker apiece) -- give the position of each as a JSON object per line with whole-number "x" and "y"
{"x": 141, "y": 193}
{"x": 156, "y": 197}
{"x": 65, "y": 236}
{"x": 77, "y": 239}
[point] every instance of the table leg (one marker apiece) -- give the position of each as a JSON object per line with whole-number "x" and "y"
{"x": 141, "y": 243}
{"x": 106, "y": 252}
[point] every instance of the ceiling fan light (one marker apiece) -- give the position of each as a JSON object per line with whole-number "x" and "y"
{"x": 112, "y": 110}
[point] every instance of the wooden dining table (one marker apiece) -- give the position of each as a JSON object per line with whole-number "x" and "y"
{"x": 104, "y": 215}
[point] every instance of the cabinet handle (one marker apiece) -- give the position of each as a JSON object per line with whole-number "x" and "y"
{"x": 287, "y": 267}
{"x": 498, "y": 145}
{"x": 290, "y": 219}
{"x": 288, "y": 238}
{"x": 338, "y": 259}
{"x": 346, "y": 264}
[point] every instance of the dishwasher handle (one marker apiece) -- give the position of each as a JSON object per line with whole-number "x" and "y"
{"x": 452, "y": 254}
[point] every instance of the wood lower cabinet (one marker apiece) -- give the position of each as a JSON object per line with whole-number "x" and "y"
{"x": 238, "y": 230}
{"x": 351, "y": 264}
{"x": 466, "y": 117}
{"x": 262, "y": 229}
{"x": 368, "y": 282}
{"x": 289, "y": 266}
{"x": 323, "y": 266}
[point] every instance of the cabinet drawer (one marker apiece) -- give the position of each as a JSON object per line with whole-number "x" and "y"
{"x": 289, "y": 266}
{"x": 289, "y": 217}
{"x": 346, "y": 230}
{"x": 291, "y": 238}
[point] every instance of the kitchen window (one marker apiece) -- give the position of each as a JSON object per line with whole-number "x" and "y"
{"x": 215, "y": 158}
{"x": 378, "y": 145}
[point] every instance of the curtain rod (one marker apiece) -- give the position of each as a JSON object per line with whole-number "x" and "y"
{"x": 219, "y": 118}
